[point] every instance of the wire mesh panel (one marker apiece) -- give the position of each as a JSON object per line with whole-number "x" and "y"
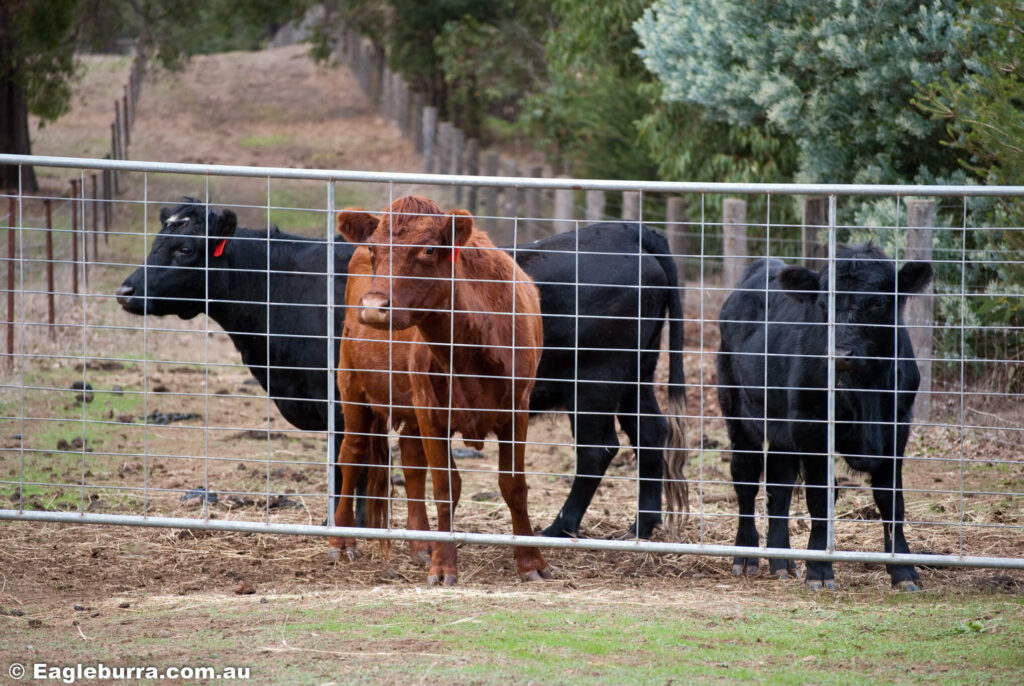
{"x": 707, "y": 351}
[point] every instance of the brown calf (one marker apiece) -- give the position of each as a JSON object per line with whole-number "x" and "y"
{"x": 437, "y": 339}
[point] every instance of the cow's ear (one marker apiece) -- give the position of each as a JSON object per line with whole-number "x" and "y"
{"x": 799, "y": 283}
{"x": 355, "y": 225}
{"x": 227, "y": 222}
{"x": 165, "y": 213}
{"x": 914, "y": 277}
{"x": 462, "y": 222}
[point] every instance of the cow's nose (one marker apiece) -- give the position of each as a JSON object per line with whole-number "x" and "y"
{"x": 124, "y": 293}
{"x": 844, "y": 361}
{"x": 375, "y": 310}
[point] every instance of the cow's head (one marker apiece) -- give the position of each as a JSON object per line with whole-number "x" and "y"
{"x": 173, "y": 280}
{"x": 413, "y": 250}
{"x": 870, "y": 295}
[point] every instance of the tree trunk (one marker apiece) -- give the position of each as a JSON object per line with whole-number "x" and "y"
{"x": 13, "y": 115}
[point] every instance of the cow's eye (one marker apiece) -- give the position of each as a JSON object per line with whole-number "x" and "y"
{"x": 429, "y": 250}
{"x": 185, "y": 250}
{"x": 878, "y": 305}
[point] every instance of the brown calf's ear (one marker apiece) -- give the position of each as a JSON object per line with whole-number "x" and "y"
{"x": 462, "y": 222}
{"x": 356, "y": 225}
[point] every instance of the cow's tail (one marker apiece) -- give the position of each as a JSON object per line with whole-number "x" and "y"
{"x": 677, "y": 491}
{"x": 378, "y": 477}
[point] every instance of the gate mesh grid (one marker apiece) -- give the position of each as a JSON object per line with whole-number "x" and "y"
{"x": 156, "y": 421}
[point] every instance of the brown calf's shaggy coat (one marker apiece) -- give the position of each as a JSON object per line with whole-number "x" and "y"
{"x": 437, "y": 340}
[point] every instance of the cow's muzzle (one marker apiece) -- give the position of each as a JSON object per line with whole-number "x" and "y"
{"x": 844, "y": 360}
{"x": 124, "y": 295}
{"x": 376, "y": 310}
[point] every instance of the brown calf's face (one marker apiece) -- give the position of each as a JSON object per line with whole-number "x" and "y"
{"x": 413, "y": 262}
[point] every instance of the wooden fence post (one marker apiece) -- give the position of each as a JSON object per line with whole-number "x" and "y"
{"x": 458, "y": 138}
{"x": 814, "y": 211}
{"x": 444, "y": 147}
{"x": 678, "y": 237}
{"x": 734, "y": 240}
{"x": 533, "y": 196}
{"x": 565, "y": 211}
{"x": 919, "y": 315}
{"x": 429, "y": 133}
{"x": 472, "y": 169}
{"x": 491, "y": 192}
{"x": 417, "y": 122}
{"x": 595, "y": 206}
{"x": 510, "y": 206}
{"x": 631, "y": 205}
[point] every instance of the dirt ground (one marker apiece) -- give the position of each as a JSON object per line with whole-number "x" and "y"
{"x": 276, "y": 108}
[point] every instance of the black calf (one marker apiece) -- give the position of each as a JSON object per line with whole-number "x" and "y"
{"x": 876, "y": 379}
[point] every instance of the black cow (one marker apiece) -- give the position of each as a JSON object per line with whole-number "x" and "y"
{"x": 876, "y": 378}
{"x": 609, "y": 386}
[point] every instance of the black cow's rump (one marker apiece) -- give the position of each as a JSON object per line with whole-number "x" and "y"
{"x": 615, "y": 381}
{"x": 775, "y": 323}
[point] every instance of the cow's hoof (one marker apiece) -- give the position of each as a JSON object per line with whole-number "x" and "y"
{"x": 818, "y": 584}
{"x": 537, "y": 575}
{"x": 442, "y": 580}
{"x": 739, "y": 569}
{"x": 554, "y": 532}
{"x": 351, "y": 553}
{"x": 780, "y": 574}
{"x": 908, "y": 585}
{"x": 334, "y": 554}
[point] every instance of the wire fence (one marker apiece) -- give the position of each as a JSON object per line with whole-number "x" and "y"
{"x": 194, "y": 381}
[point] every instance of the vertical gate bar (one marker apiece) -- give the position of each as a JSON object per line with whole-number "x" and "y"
{"x": 21, "y": 342}
{"x": 50, "y": 314}
{"x": 332, "y": 485}
{"x": 963, "y": 371}
{"x": 830, "y": 544}
{"x": 700, "y": 375}
{"x": 12, "y": 208}
{"x": 145, "y": 345}
{"x": 74, "y": 242}
{"x": 639, "y": 349}
{"x": 95, "y": 220}
{"x": 80, "y": 188}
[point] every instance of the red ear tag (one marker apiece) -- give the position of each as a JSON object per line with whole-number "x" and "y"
{"x": 219, "y": 250}
{"x": 453, "y": 256}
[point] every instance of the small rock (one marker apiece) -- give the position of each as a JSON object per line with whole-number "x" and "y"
{"x": 245, "y": 588}
{"x": 485, "y": 496}
{"x": 80, "y": 608}
{"x": 263, "y": 601}
{"x": 124, "y": 606}
{"x": 161, "y": 389}
{"x": 126, "y": 418}
{"x": 201, "y": 494}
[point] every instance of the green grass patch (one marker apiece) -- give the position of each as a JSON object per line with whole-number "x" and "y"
{"x": 445, "y": 636}
{"x": 265, "y": 140}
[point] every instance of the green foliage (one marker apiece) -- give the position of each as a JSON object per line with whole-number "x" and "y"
{"x": 38, "y": 53}
{"x": 586, "y": 112}
{"x": 488, "y": 65}
{"x": 837, "y": 79}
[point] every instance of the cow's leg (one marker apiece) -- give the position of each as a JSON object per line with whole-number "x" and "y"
{"x": 780, "y": 475}
{"x": 745, "y": 467}
{"x": 819, "y": 574}
{"x": 414, "y": 467}
{"x": 352, "y": 457}
{"x": 647, "y": 433}
{"x": 889, "y": 500}
{"x": 512, "y": 481}
{"x": 447, "y": 489}
{"x": 596, "y": 445}
{"x": 360, "y": 495}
